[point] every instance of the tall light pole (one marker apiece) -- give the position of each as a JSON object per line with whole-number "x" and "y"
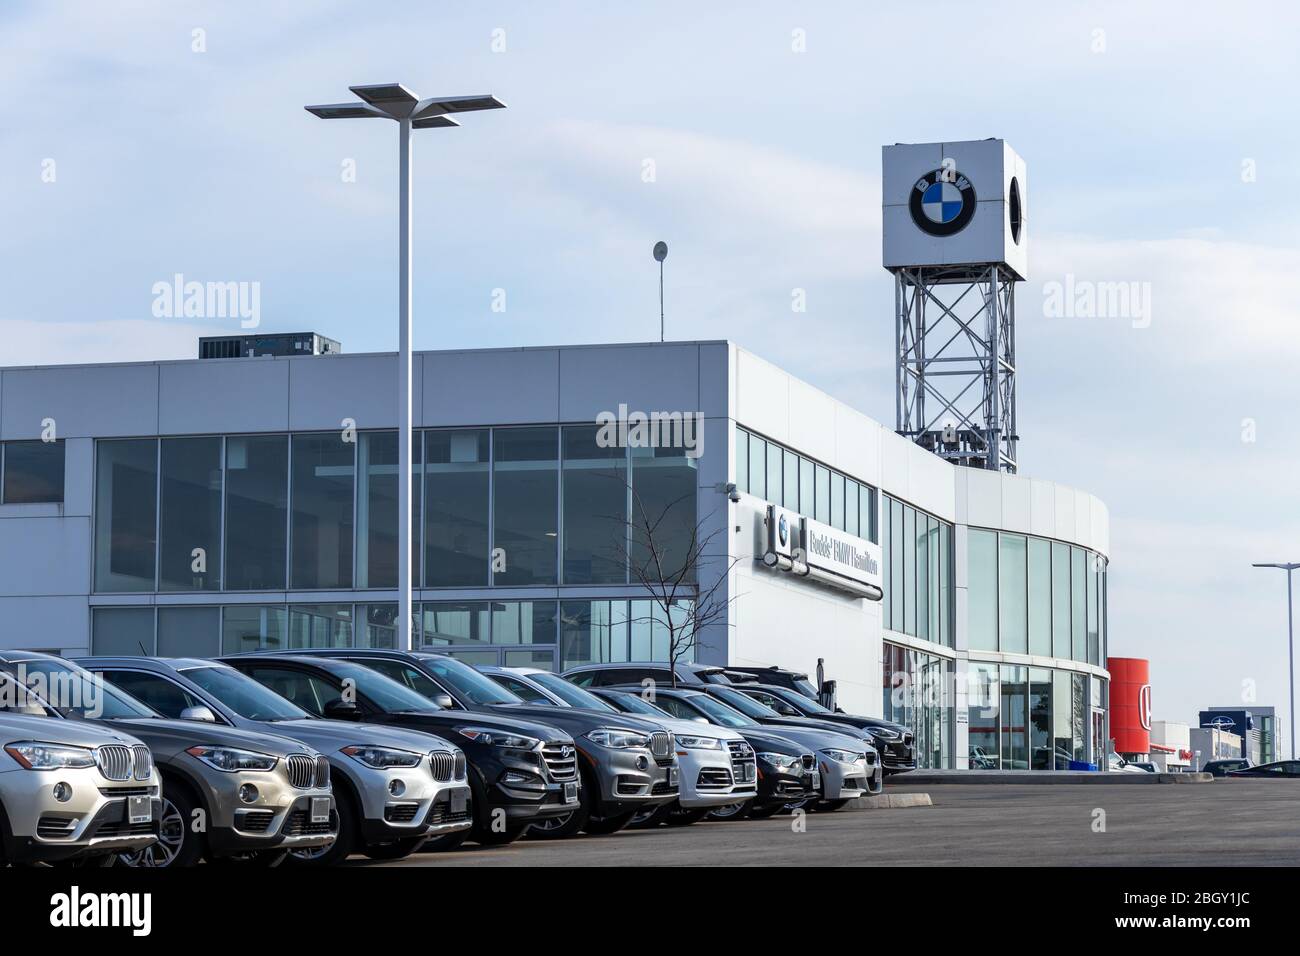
{"x": 394, "y": 101}
{"x": 1288, "y": 567}
{"x": 660, "y": 254}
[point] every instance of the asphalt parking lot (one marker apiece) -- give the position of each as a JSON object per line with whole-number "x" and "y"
{"x": 1224, "y": 823}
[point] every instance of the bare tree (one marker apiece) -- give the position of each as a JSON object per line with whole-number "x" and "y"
{"x": 669, "y": 568}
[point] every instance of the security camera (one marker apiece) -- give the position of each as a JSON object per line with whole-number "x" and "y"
{"x": 733, "y": 492}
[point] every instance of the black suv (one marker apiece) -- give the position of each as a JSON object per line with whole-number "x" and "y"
{"x": 894, "y": 741}
{"x": 521, "y": 771}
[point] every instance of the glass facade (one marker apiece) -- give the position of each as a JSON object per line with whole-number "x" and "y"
{"x": 773, "y": 472}
{"x": 31, "y": 472}
{"x": 189, "y": 522}
{"x": 1029, "y": 595}
{"x": 917, "y": 573}
{"x": 126, "y": 511}
{"x": 1031, "y": 718}
{"x": 917, "y": 692}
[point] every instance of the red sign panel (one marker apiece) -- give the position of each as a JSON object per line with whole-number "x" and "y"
{"x": 1130, "y": 704}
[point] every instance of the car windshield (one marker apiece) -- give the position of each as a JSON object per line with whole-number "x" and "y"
{"x": 805, "y": 688}
{"x": 17, "y": 699}
{"x": 806, "y": 704}
{"x": 384, "y": 692}
{"x": 74, "y": 692}
{"x": 719, "y": 713}
{"x": 745, "y": 704}
{"x": 475, "y": 687}
{"x": 635, "y": 704}
{"x": 243, "y": 695}
{"x": 571, "y": 694}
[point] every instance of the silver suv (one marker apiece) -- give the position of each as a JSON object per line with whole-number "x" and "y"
{"x": 227, "y": 793}
{"x": 71, "y": 791}
{"x": 394, "y": 788}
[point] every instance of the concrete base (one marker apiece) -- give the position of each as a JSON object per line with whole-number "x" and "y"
{"x": 922, "y": 778}
{"x": 889, "y": 801}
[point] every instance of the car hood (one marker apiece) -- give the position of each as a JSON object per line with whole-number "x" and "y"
{"x": 444, "y": 723}
{"x": 330, "y": 736}
{"x": 171, "y": 736}
{"x": 786, "y": 724}
{"x": 814, "y": 738}
{"x": 578, "y": 720}
{"x": 56, "y": 730}
{"x": 781, "y": 745}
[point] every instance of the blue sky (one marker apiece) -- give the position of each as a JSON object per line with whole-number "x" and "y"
{"x": 767, "y": 161}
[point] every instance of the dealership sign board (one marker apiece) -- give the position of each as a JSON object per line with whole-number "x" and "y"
{"x": 837, "y": 552}
{"x": 808, "y": 548}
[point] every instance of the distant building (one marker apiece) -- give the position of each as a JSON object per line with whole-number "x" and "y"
{"x": 1171, "y": 746}
{"x": 1257, "y": 726}
{"x": 1209, "y": 743}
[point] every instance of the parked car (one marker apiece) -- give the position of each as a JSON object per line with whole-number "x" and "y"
{"x": 393, "y": 789}
{"x": 626, "y": 766}
{"x": 1144, "y": 765}
{"x": 784, "y": 772}
{"x": 1221, "y": 768}
{"x": 848, "y": 767}
{"x": 1277, "y": 770}
{"x": 71, "y": 791}
{"x": 775, "y": 677}
{"x": 520, "y": 771}
{"x": 259, "y": 796}
{"x": 716, "y": 768}
{"x": 894, "y": 741}
{"x": 1118, "y": 764}
{"x": 608, "y": 675}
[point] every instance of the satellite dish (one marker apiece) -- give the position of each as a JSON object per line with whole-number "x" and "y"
{"x": 661, "y": 251}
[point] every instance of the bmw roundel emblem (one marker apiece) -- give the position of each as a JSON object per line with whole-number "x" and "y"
{"x": 942, "y": 202}
{"x": 783, "y": 530}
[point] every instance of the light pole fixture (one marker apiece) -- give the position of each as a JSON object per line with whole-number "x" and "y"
{"x": 660, "y": 254}
{"x": 395, "y": 102}
{"x": 1288, "y": 567}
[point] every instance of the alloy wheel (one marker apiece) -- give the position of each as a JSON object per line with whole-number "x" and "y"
{"x": 171, "y": 834}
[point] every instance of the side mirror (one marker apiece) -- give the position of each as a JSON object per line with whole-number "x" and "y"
{"x": 340, "y": 709}
{"x": 200, "y": 712}
{"x": 444, "y": 701}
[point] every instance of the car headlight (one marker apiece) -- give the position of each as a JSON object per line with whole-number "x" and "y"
{"x": 231, "y": 760}
{"x": 781, "y": 761}
{"x": 842, "y": 756}
{"x": 884, "y": 733}
{"x": 34, "y": 755}
{"x": 498, "y": 738}
{"x": 381, "y": 758}
{"x": 617, "y": 739}
{"x": 697, "y": 743}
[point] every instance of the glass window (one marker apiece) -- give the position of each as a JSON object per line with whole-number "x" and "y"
{"x": 154, "y": 690}
{"x": 922, "y": 544}
{"x": 1012, "y": 593}
{"x": 455, "y": 622}
{"x": 1094, "y": 643}
{"x": 1040, "y": 597}
{"x": 909, "y": 571}
{"x": 189, "y": 631}
{"x": 1015, "y": 718}
{"x": 320, "y": 625}
{"x": 530, "y": 658}
{"x": 982, "y": 583}
{"x": 595, "y": 508}
{"x": 525, "y": 503}
{"x": 1079, "y": 717}
{"x": 122, "y": 631}
{"x": 1078, "y": 605}
{"x": 257, "y": 487}
{"x": 790, "y": 492}
{"x": 323, "y": 467}
{"x": 377, "y": 625}
{"x": 456, "y": 489}
{"x": 823, "y": 502}
{"x": 1041, "y": 755}
{"x": 757, "y": 467}
{"x": 851, "y": 509}
{"x": 887, "y": 578}
{"x": 837, "y": 500}
{"x": 377, "y": 509}
{"x": 593, "y": 632}
{"x": 896, "y": 560}
{"x": 945, "y": 582}
{"x": 243, "y": 695}
{"x": 982, "y": 698}
{"x": 775, "y": 473}
{"x": 867, "y": 514}
{"x": 248, "y": 627}
{"x": 126, "y": 511}
{"x": 663, "y": 514}
{"x": 33, "y": 472}
{"x": 189, "y": 529}
{"x": 523, "y": 622}
{"x": 1060, "y": 600}
{"x": 807, "y": 488}
{"x": 742, "y": 460}
{"x": 1062, "y": 719}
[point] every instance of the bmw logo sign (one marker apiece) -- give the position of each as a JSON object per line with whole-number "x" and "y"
{"x": 783, "y": 530}
{"x": 942, "y": 202}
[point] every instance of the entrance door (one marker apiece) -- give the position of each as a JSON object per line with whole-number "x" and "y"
{"x": 532, "y": 655}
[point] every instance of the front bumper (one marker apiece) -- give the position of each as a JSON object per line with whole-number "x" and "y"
{"x": 93, "y": 821}
{"x": 708, "y": 778}
{"x": 279, "y": 818}
{"x": 844, "y": 781}
{"x": 782, "y": 786}
{"x": 631, "y": 777}
{"x": 424, "y": 805}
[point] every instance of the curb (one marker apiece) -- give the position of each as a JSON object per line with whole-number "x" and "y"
{"x": 1049, "y": 778}
{"x": 889, "y": 801}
